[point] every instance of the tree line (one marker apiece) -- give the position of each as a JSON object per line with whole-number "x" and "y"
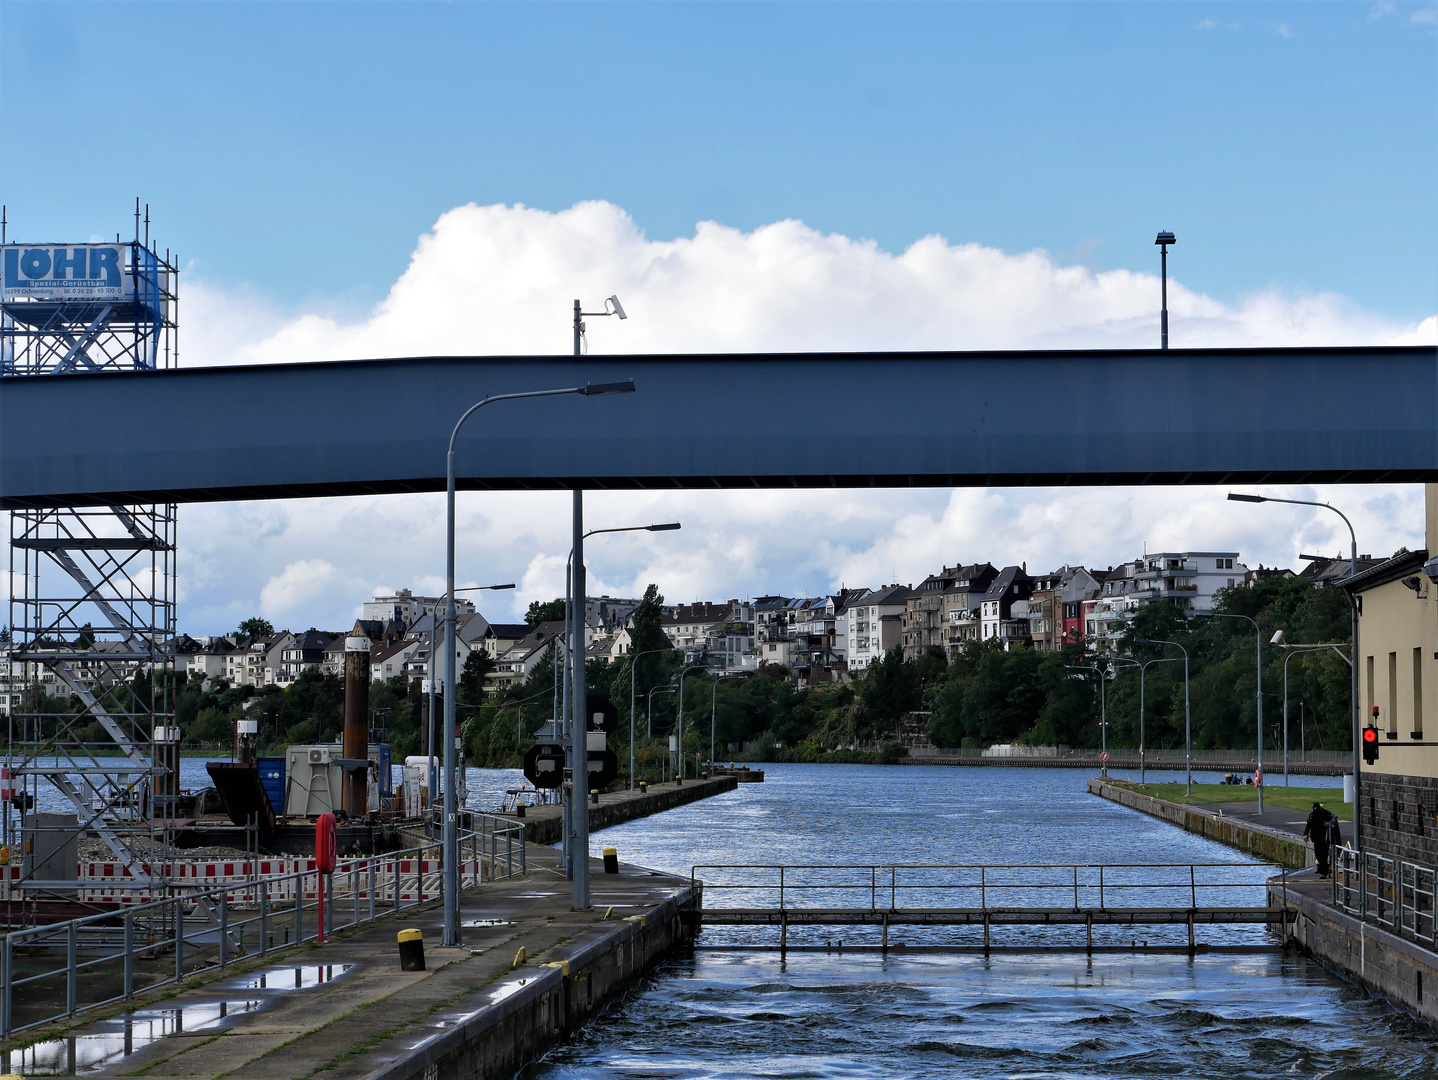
{"x": 982, "y": 695}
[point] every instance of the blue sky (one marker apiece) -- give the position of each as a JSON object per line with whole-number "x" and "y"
{"x": 298, "y": 150}
{"x": 312, "y": 165}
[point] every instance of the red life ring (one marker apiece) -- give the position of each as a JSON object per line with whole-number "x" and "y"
{"x": 326, "y": 844}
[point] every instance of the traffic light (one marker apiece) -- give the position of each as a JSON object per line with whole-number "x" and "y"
{"x": 1370, "y": 744}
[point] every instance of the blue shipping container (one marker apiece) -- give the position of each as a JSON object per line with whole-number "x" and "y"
{"x": 272, "y": 779}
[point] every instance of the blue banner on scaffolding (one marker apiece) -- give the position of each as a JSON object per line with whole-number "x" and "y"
{"x": 65, "y": 272}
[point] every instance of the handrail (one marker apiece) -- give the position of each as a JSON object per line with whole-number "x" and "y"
{"x": 271, "y": 914}
{"x": 1393, "y": 893}
{"x": 1183, "y": 884}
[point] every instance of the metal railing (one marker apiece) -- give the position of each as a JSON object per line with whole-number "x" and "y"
{"x": 1154, "y": 757}
{"x": 140, "y": 947}
{"x": 976, "y": 886}
{"x": 1391, "y": 893}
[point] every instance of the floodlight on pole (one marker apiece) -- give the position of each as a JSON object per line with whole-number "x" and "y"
{"x": 1164, "y": 239}
{"x": 450, "y": 936}
{"x": 580, "y": 342}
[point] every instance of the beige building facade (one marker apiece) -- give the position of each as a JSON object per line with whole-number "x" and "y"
{"x": 1398, "y": 692}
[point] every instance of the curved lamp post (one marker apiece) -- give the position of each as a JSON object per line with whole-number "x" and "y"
{"x": 1187, "y": 715}
{"x": 571, "y": 624}
{"x": 1116, "y": 660}
{"x": 713, "y": 715}
{"x": 1353, "y": 638}
{"x": 433, "y": 719}
{"x": 451, "y": 809}
{"x": 1295, "y": 649}
{"x": 685, "y": 671}
{"x": 1102, "y": 708}
{"x": 634, "y": 659}
{"x": 1258, "y": 659}
{"x": 662, "y": 688}
{"x": 1142, "y": 674}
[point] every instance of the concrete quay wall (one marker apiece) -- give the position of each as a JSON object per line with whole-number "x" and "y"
{"x": 1281, "y": 848}
{"x": 543, "y": 824}
{"x": 1401, "y": 970}
{"x": 1235, "y": 766}
{"x": 497, "y": 1041}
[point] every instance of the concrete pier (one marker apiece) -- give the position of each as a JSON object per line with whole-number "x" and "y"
{"x": 479, "y": 1011}
{"x": 1274, "y": 842}
{"x": 542, "y": 824}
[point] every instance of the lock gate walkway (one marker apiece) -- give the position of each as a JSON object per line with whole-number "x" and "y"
{"x": 1067, "y": 907}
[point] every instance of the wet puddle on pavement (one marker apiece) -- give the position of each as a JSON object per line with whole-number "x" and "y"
{"x": 111, "y": 1040}
{"x": 297, "y": 977}
{"x": 108, "y": 1041}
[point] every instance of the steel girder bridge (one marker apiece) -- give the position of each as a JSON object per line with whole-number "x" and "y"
{"x": 1182, "y": 416}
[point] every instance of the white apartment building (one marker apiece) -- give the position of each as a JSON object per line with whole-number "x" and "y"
{"x": 403, "y": 606}
{"x": 874, "y": 625}
{"x": 1189, "y": 579}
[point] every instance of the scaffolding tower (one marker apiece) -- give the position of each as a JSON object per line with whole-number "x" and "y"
{"x": 90, "y": 695}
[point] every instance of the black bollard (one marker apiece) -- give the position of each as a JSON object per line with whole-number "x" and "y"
{"x": 411, "y": 950}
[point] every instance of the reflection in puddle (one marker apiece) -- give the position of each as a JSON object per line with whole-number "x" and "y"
{"x": 293, "y": 978}
{"x": 113, "y": 1039}
{"x": 487, "y": 922}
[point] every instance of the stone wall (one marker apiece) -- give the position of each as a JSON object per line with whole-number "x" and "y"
{"x": 1282, "y": 848}
{"x": 1399, "y": 817}
{"x": 559, "y": 995}
{"x": 1402, "y": 970}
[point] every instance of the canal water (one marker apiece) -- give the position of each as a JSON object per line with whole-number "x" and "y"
{"x": 831, "y": 1016}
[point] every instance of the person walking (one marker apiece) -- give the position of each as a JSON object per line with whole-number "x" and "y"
{"x": 1316, "y": 829}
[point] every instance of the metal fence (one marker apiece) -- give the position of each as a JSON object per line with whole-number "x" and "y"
{"x": 112, "y": 955}
{"x": 977, "y": 886}
{"x": 1391, "y": 893}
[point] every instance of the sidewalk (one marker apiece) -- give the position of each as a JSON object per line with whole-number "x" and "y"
{"x": 369, "y": 1013}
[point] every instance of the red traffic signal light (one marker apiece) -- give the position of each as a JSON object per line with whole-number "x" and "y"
{"x": 1370, "y": 744}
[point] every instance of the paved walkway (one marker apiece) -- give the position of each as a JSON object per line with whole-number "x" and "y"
{"x": 370, "y": 1012}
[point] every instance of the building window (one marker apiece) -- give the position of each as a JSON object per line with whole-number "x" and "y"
{"x": 1371, "y": 701}
{"x": 1418, "y": 694}
{"x": 1393, "y": 694}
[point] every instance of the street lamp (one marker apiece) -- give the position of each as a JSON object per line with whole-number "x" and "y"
{"x": 649, "y": 716}
{"x": 571, "y": 625}
{"x": 686, "y": 671}
{"x": 1187, "y": 716}
{"x": 579, "y": 317}
{"x": 1142, "y": 675}
{"x": 451, "y": 810}
{"x": 1164, "y": 239}
{"x": 633, "y": 674}
{"x": 1234, "y": 496}
{"x": 713, "y": 715}
{"x": 1258, "y": 655}
{"x": 1295, "y": 649}
{"x": 433, "y": 640}
{"x": 1103, "y": 712}
{"x": 1115, "y": 660}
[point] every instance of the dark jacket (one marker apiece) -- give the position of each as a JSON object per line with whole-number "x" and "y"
{"x": 1316, "y": 827}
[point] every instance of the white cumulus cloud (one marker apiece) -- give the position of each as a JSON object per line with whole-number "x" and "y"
{"x": 501, "y": 279}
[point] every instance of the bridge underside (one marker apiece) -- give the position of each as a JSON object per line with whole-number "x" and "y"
{"x": 725, "y": 421}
